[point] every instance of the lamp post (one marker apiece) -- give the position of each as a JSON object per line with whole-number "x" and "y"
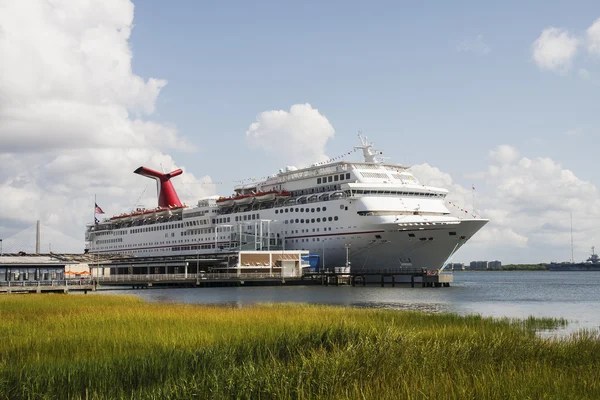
{"x": 347, "y": 246}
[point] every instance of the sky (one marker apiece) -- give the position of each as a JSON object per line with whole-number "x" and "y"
{"x": 498, "y": 96}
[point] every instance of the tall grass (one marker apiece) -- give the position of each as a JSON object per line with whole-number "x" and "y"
{"x": 122, "y": 347}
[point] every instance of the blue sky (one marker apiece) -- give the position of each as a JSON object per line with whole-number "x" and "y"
{"x": 393, "y": 69}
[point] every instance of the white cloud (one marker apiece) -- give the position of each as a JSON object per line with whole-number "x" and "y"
{"x": 503, "y": 154}
{"x": 73, "y": 116}
{"x": 296, "y": 137}
{"x": 475, "y": 45}
{"x": 593, "y": 38}
{"x": 555, "y": 50}
{"x": 529, "y": 202}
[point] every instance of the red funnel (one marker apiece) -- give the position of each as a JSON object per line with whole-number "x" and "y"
{"x": 167, "y": 196}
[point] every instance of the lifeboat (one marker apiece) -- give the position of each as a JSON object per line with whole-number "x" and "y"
{"x": 243, "y": 199}
{"x": 163, "y": 212}
{"x": 225, "y": 202}
{"x": 265, "y": 196}
{"x": 283, "y": 195}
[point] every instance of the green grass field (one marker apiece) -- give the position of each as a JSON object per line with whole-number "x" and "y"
{"x": 93, "y": 346}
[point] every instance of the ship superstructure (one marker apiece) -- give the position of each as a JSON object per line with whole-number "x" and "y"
{"x": 376, "y": 212}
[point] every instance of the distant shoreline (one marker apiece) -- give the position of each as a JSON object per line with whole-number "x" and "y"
{"x": 509, "y": 267}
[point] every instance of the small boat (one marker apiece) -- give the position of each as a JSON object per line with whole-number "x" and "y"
{"x": 243, "y": 199}
{"x": 265, "y": 196}
{"x": 225, "y": 202}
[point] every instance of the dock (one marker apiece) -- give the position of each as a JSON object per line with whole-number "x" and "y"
{"x": 383, "y": 277}
{"x": 415, "y": 278}
{"x": 57, "y": 286}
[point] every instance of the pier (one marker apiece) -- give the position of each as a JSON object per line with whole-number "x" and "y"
{"x": 381, "y": 278}
{"x": 58, "y": 286}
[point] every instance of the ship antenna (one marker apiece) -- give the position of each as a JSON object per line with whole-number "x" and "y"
{"x": 369, "y": 154}
{"x": 572, "y": 259}
{"x": 139, "y": 198}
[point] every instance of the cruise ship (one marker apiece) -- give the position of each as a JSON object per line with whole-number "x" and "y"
{"x": 372, "y": 215}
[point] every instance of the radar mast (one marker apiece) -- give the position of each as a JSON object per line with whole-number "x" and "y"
{"x": 369, "y": 154}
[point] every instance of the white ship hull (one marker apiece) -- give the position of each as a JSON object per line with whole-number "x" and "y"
{"x": 375, "y": 242}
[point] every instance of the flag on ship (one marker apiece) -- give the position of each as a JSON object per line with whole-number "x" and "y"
{"x": 98, "y": 210}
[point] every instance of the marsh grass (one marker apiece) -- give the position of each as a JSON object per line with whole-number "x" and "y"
{"x": 122, "y": 347}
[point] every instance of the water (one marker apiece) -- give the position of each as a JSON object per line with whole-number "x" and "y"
{"x": 573, "y": 296}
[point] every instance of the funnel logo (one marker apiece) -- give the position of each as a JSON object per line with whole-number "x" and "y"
{"x": 167, "y": 196}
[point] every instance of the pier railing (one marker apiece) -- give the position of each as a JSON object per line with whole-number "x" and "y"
{"x": 60, "y": 282}
{"x": 187, "y": 277}
{"x": 256, "y": 275}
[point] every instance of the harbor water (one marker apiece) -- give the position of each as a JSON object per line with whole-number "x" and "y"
{"x": 574, "y": 296}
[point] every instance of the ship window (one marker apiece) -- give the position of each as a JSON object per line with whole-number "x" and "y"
{"x": 335, "y": 218}
{"x": 307, "y": 210}
{"x": 318, "y": 181}
{"x": 276, "y": 212}
{"x": 452, "y": 233}
{"x": 318, "y": 209}
{"x": 348, "y": 175}
{"x": 296, "y": 209}
{"x": 335, "y": 178}
{"x": 312, "y": 220}
{"x": 312, "y": 210}
{"x": 301, "y": 221}
{"x": 307, "y": 221}
{"x": 296, "y": 220}
{"x": 330, "y": 219}
{"x": 341, "y": 177}
{"x": 286, "y": 210}
{"x": 318, "y": 219}
{"x": 324, "y": 208}
{"x": 329, "y": 179}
